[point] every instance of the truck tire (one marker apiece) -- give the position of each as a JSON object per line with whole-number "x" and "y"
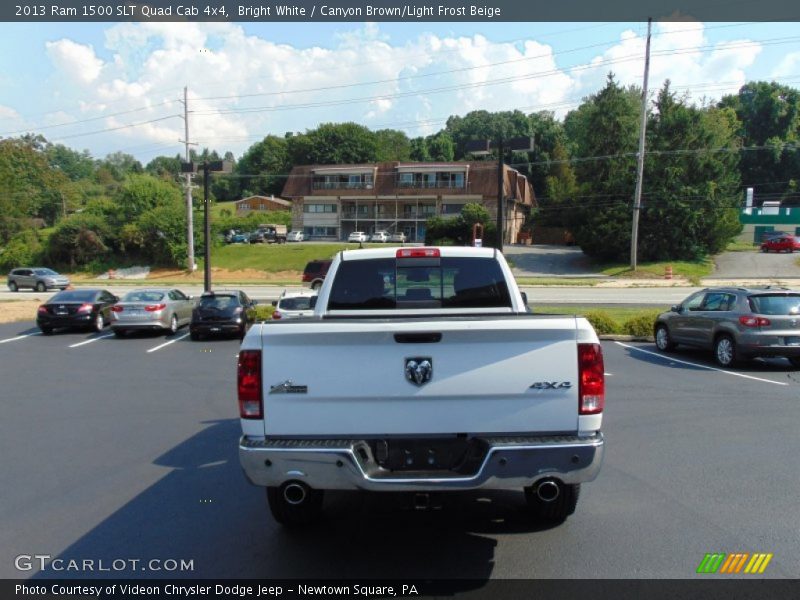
{"x": 294, "y": 515}
{"x": 555, "y": 511}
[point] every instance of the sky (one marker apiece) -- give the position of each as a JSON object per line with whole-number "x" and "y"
{"x": 116, "y": 87}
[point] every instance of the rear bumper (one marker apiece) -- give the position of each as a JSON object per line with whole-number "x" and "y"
{"x": 82, "y": 320}
{"x": 510, "y": 463}
{"x": 206, "y": 327}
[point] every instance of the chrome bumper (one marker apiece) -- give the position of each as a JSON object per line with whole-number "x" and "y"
{"x": 510, "y": 463}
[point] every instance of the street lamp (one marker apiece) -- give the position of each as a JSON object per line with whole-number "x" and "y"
{"x": 484, "y": 148}
{"x": 215, "y": 166}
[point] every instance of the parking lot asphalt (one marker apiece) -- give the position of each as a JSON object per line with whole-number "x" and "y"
{"x": 127, "y": 449}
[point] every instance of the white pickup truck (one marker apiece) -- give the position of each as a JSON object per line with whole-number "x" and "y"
{"x": 421, "y": 371}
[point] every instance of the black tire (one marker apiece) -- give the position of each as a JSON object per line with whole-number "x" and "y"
{"x": 559, "y": 509}
{"x": 99, "y": 323}
{"x": 119, "y": 333}
{"x": 725, "y": 353}
{"x": 46, "y": 330}
{"x": 12, "y": 285}
{"x": 795, "y": 360}
{"x": 40, "y": 286}
{"x": 294, "y": 515}
{"x": 663, "y": 338}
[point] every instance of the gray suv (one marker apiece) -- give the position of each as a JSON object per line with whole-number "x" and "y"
{"x": 735, "y": 323}
{"x": 36, "y": 278}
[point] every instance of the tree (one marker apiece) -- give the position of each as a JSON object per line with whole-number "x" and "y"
{"x": 392, "y": 145}
{"x": 75, "y": 165}
{"x": 441, "y": 147}
{"x": 165, "y": 167}
{"x": 483, "y": 125}
{"x": 79, "y": 240}
{"x": 141, "y": 193}
{"x": 603, "y": 135}
{"x": 457, "y": 231}
{"x": 333, "y": 144}
{"x": 769, "y": 114}
{"x": 119, "y": 165}
{"x": 262, "y": 170}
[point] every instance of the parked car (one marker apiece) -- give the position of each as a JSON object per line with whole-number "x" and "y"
{"x": 257, "y": 237}
{"x": 783, "y": 243}
{"x": 295, "y": 236}
{"x": 768, "y": 235}
{"x": 222, "y": 312}
{"x": 379, "y": 236}
{"x": 735, "y": 323}
{"x": 357, "y": 236}
{"x": 398, "y": 236}
{"x": 293, "y": 305}
{"x": 37, "y": 278}
{"x": 76, "y": 309}
{"x": 152, "y": 309}
{"x": 240, "y": 238}
{"x": 314, "y": 273}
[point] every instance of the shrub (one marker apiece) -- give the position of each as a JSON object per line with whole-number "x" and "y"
{"x": 602, "y": 322}
{"x": 23, "y": 249}
{"x": 641, "y": 325}
{"x": 264, "y": 312}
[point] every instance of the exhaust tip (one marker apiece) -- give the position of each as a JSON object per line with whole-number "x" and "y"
{"x": 295, "y": 493}
{"x": 548, "y": 490}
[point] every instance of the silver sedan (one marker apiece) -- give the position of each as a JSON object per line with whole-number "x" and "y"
{"x": 151, "y": 309}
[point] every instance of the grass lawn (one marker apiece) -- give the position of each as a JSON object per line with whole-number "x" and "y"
{"x": 692, "y": 270}
{"x": 618, "y": 313}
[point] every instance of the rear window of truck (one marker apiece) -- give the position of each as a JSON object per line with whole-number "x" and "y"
{"x": 426, "y": 283}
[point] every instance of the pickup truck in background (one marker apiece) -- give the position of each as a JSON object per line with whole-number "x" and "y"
{"x": 422, "y": 371}
{"x": 269, "y": 233}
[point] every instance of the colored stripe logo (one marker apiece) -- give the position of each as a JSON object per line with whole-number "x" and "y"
{"x": 737, "y": 562}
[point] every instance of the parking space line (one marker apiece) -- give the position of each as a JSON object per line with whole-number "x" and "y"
{"x": 686, "y": 362}
{"x": 168, "y": 343}
{"x": 20, "y": 337}
{"x": 102, "y": 337}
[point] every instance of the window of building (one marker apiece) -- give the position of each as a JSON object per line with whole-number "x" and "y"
{"x": 452, "y": 209}
{"x": 319, "y": 208}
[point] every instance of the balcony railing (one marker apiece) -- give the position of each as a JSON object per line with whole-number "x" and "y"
{"x": 428, "y": 184}
{"x": 342, "y": 185}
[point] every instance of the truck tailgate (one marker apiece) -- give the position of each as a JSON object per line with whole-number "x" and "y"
{"x": 489, "y": 375}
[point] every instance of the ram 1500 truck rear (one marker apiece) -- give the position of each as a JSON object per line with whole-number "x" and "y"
{"x": 423, "y": 371}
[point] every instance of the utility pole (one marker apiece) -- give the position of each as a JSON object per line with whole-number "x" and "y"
{"x": 500, "y": 196}
{"x": 637, "y": 200}
{"x": 188, "y": 186}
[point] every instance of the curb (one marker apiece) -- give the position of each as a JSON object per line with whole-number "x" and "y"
{"x": 609, "y": 337}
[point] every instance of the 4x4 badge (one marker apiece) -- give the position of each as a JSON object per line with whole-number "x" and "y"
{"x": 419, "y": 370}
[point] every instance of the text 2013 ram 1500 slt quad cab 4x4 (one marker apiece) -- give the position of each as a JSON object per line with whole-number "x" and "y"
{"x": 422, "y": 370}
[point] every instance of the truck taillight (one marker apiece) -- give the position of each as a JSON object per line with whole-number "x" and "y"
{"x": 753, "y": 321}
{"x": 591, "y": 379}
{"x": 248, "y": 381}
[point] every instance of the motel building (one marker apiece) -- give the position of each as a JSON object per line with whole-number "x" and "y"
{"x": 329, "y": 202}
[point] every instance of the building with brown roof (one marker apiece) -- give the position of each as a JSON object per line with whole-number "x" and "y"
{"x": 332, "y": 201}
{"x": 245, "y": 206}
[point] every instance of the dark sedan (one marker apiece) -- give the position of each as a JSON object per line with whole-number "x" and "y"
{"x": 223, "y": 312}
{"x": 83, "y": 309}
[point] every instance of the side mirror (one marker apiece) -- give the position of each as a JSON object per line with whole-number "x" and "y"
{"x": 274, "y": 303}
{"x": 116, "y": 298}
{"x": 253, "y": 302}
{"x": 676, "y": 308}
{"x": 524, "y": 298}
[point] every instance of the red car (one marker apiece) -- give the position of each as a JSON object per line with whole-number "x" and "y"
{"x": 788, "y": 243}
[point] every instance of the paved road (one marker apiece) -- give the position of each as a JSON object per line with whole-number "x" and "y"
{"x": 757, "y": 264}
{"x": 540, "y": 260}
{"x": 126, "y": 448}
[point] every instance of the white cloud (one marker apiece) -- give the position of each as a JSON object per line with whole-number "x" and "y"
{"x": 243, "y": 87}
{"x": 77, "y": 61}
{"x": 788, "y": 67}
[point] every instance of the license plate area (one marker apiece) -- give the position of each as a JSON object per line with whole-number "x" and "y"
{"x": 454, "y": 454}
